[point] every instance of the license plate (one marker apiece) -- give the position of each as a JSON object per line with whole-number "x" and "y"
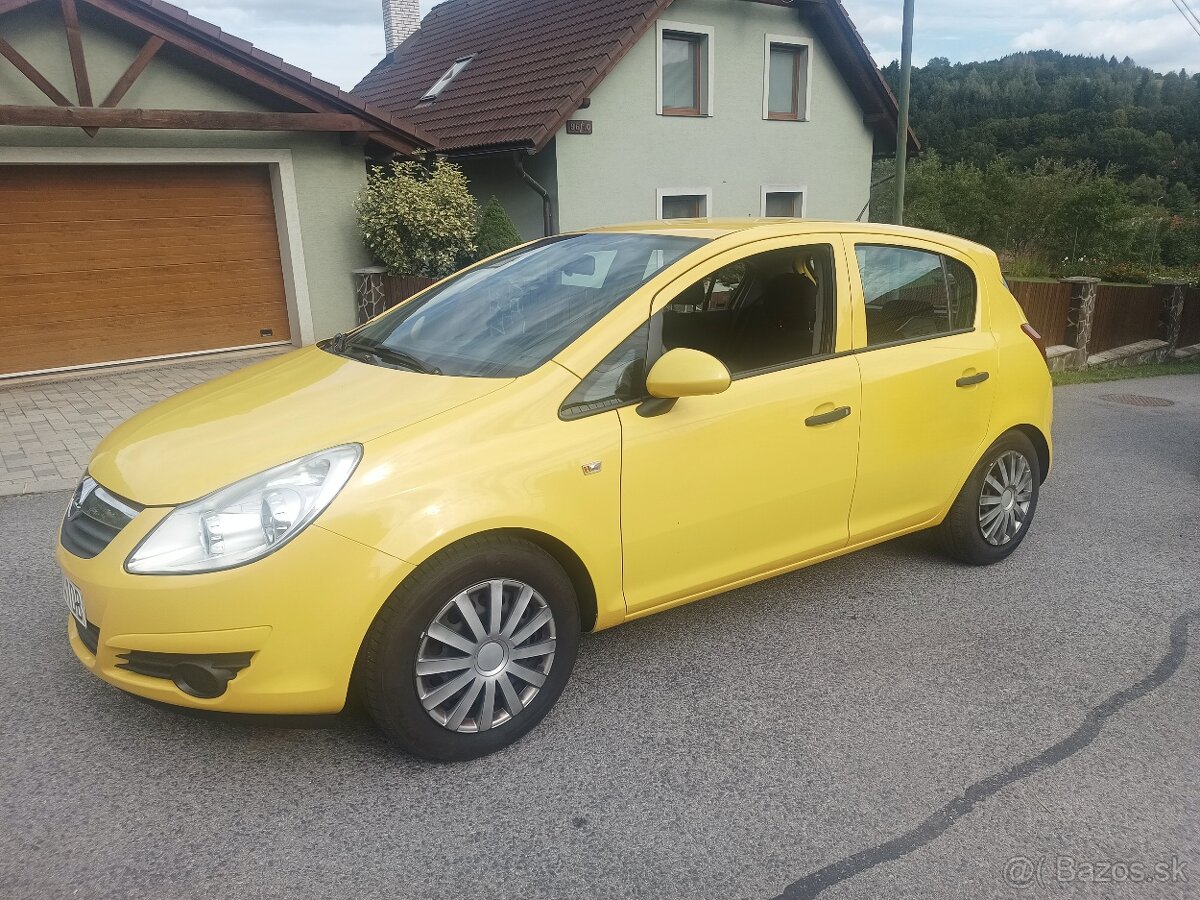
{"x": 74, "y": 598}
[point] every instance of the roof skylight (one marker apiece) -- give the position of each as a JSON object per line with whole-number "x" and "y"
{"x": 444, "y": 82}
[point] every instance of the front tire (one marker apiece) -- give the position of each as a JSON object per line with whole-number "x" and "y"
{"x": 993, "y": 512}
{"x": 472, "y": 650}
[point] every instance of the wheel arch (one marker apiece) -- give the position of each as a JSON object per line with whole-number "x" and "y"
{"x": 560, "y": 552}
{"x": 1040, "y": 444}
{"x": 568, "y": 559}
{"x": 577, "y": 571}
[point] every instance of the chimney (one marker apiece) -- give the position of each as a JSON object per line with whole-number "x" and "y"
{"x": 400, "y": 19}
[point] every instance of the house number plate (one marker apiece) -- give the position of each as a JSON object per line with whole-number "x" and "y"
{"x": 579, "y": 126}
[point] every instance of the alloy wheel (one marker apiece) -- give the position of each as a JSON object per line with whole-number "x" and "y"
{"x": 485, "y": 656}
{"x": 1005, "y": 499}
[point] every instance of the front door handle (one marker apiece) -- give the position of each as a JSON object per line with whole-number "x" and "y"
{"x": 969, "y": 380}
{"x": 828, "y": 418}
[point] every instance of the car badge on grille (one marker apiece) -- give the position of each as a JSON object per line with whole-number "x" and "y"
{"x": 86, "y": 488}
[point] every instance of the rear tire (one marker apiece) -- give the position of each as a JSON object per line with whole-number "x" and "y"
{"x": 995, "y": 508}
{"x": 469, "y": 595}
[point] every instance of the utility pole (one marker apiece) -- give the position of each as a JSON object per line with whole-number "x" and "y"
{"x": 905, "y": 91}
{"x": 1154, "y": 237}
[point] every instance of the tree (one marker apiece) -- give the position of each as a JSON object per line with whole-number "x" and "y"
{"x": 417, "y": 218}
{"x": 1065, "y": 165}
{"x": 497, "y": 231}
{"x": 1027, "y": 106}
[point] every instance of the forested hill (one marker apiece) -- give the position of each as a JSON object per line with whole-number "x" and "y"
{"x": 1072, "y": 108}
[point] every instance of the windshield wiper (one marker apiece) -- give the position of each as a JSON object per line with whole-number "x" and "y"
{"x": 391, "y": 356}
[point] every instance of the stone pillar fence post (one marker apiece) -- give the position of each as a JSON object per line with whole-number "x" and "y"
{"x": 1171, "y": 324}
{"x": 370, "y": 297}
{"x": 1080, "y": 316}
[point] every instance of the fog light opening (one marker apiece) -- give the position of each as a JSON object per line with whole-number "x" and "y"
{"x": 202, "y": 682}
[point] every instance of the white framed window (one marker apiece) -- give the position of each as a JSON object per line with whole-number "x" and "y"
{"x": 444, "y": 82}
{"x": 787, "y": 79}
{"x": 685, "y": 69}
{"x": 684, "y": 203}
{"x": 783, "y": 201}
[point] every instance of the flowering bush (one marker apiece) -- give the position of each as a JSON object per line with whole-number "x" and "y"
{"x": 418, "y": 219}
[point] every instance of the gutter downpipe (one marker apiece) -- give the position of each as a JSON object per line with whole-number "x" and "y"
{"x": 547, "y": 201}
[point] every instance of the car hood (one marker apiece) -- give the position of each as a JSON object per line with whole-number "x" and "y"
{"x": 271, "y": 413}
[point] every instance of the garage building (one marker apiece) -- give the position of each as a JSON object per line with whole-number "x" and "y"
{"x": 167, "y": 189}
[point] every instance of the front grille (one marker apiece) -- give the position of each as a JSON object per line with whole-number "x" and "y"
{"x": 94, "y": 518}
{"x": 90, "y": 636}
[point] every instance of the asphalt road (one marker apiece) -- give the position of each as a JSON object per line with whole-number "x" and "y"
{"x": 885, "y": 725}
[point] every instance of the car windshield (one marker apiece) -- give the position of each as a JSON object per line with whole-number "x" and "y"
{"x": 507, "y": 318}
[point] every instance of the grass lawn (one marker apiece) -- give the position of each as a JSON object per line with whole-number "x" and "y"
{"x": 1088, "y": 376}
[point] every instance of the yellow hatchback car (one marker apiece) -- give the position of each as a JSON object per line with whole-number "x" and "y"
{"x": 588, "y": 429}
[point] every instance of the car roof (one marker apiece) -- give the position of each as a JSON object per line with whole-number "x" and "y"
{"x": 712, "y": 229}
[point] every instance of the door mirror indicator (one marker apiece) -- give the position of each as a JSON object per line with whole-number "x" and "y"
{"x": 687, "y": 373}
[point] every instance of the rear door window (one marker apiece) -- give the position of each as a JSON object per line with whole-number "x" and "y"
{"x": 913, "y": 294}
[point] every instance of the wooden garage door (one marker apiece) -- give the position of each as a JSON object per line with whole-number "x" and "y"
{"x": 106, "y": 263}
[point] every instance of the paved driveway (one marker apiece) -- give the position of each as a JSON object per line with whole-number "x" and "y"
{"x": 885, "y": 725}
{"x": 48, "y": 429}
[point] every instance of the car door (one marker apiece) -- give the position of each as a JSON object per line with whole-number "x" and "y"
{"x": 929, "y": 368}
{"x": 721, "y": 488}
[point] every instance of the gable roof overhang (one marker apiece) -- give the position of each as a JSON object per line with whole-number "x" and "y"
{"x": 519, "y": 99}
{"x": 325, "y": 106}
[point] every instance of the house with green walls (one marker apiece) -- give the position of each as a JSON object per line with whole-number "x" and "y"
{"x": 582, "y": 114}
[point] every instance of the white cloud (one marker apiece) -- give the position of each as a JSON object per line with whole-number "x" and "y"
{"x": 1152, "y": 32}
{"x": 882, "y": 23}
{"x": 336, "y": 41}
{"x": 1162, "y": 43}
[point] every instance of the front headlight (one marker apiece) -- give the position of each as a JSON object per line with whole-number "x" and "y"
{"x": 247, "y": 520}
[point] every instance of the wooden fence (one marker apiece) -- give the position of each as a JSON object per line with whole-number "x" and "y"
{"x": 1125, "y": 315}
{"x": 1121, "y": 315}
{"x": 1189, "y": 331}
{"x": 1046, "y": 304}
{"x": 398, "y": 288}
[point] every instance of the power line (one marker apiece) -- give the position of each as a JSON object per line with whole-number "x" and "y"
{"x": 1190, "y": 17}
{"x": 1191, "y": 11}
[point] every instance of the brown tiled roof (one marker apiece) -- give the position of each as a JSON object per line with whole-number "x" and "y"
{"x": 239, "y": 55}
{"x": 535, "y": 61}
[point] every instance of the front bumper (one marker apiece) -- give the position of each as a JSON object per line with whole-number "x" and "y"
{"x": 301, "y": 612}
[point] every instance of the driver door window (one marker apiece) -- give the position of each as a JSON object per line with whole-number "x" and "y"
{"x": 766, "y": 312}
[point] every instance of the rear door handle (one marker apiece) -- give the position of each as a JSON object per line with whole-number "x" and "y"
{"x": 969, "y": 380}
{"x": 828, "y": 418}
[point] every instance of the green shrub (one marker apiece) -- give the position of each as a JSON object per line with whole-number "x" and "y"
{"x": 497, "y": 231}
{"x": 418, "y": 219}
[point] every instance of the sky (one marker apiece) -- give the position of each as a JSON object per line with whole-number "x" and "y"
{"x": 341, "y": 40}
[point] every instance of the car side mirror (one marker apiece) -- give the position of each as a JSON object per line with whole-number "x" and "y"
{"x": 687, "y": 373}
